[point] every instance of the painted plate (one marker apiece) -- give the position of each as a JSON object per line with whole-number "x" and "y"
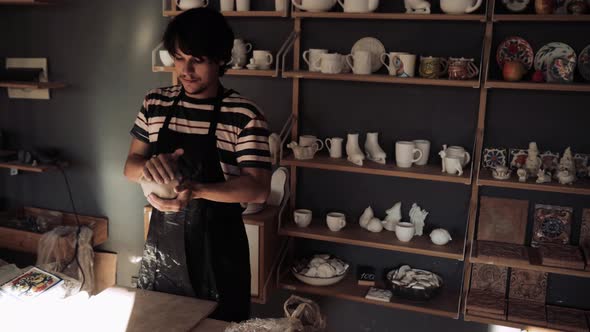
{"x": 374, "y": 46}
{"x": 584, "y": 63}
{"x": 548, "y": 53}
{"x": 515, "y": 48}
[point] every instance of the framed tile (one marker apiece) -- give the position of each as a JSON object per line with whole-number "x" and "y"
{"x": 581, "y": 163}
{"x": 483, "y": 301}
{"x": 568, "y": 257}
{"x": 494, "y": 157}
{"x": 490, "y": 278}
{"x": 502, "y": 220}
{"x": 527, "y": 285}
{"x": 549, "y": 160}
{"x": 518, "y": 158}
{"x": 552, "y": 224}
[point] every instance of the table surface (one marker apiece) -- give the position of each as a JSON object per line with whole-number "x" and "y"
{"x": 211, "y": 325}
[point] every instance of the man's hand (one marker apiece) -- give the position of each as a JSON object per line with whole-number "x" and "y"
{"x": 172, "y": 205}
{"x": 162, "y": 168}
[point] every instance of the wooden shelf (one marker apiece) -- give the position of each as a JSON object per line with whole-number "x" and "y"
{"x": 27, "y": 167}
{"x": 492, "y": 321}
{"x": 263, "y": 217}
{"x": 445, "y": 304}
{"x": 381, "y": 78}
{"x": 580, "y": 187}
{"x": 28, "y": 2}
{"x": 354, "y": 235}
{"x": 540, "y": 18}
{"x": 230, "y": 72}
{"x": 534, "y": 264}
{"x": 427, "y": 172}
{"x": 574, "y": 87}
{"x": 389, "y": 16}
{"x": 32, "y": 85}
{"x": 252, "y": 13}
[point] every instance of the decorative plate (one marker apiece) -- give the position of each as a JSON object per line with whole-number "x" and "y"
{"x": 548, "y": 53}
{"x": 515, "y": 48}
{"x": 584, "y": 63}
{"x": 561, "y": 70}
{"x": 518, "y": 158}
{"x": 494, "y": 157}
{"x": 374, "y": 46}
{"x": 516, "y": 6}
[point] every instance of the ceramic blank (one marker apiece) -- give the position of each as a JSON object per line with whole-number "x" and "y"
{"x": 374, "y": 46}
{"x": 549, "y": 52}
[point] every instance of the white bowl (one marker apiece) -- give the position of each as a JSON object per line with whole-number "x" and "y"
{"x": 188, "y": 4}
{"x": 317, "y": 281}
{"x": 166, "y": 58}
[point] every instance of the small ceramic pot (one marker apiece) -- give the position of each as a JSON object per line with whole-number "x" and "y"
{"x": 404, "y": 231}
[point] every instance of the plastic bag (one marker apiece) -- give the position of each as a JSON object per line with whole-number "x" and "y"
{"x": 56, "y": 254}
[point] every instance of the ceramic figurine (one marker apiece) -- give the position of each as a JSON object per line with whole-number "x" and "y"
{"x": 417, "y": 6}
{"x": 373, "y": 150}
{"x": 366, "y": 217}
{"x": 394, "y": 214}
{"x": 252, "y": 65}
{"x": 501, "y": 173}
{"x": 533, "y": 162}
{"x": 543, "y": 177}
{"x": 375, "y": 225}
{"x": 566, "y": 163}
{"x": 274, "y": 143}
{"x": 353, "y": 151}
{"x": 565, "y": 177}
{"x": 443, "y": 155}
{"x": 440, "y": 236}
{"x": 522, "y": 175}
{"x": 417, "y": 217}
{"x": 389, "y": 225}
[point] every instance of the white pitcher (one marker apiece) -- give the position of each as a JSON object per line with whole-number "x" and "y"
{"x": 458, "y": 7}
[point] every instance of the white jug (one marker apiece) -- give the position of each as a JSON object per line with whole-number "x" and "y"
{"x": 459, "y": 6}
{"x": 359, "y": 6}
{"x": 314, "y": 5}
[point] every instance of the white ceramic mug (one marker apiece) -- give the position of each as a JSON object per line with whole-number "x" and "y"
{"x": 424, "y": 146}
{"x": 360, "y": 62}
{"x": 189, "y": 4}
{"x": 399, "y": 64}
{"x": 329, "y": 63}
{"x": 311, "y": 56}
{"x": 302, "y": 217}
{"x": 406, "y": 154}
{"x": 334, "y": 146}
{"x": 280, "y": 5}
{"x": 355, "y": 6}
{"x": 263, "y": 59}
{"x": 243, "y": 6}
{"x": 336, "y": 221}
{"x": 404, "y": 231}
{"x": 459, "y": 152}
{"x": 310, "y": 140}
{"x": 227, "y": 5}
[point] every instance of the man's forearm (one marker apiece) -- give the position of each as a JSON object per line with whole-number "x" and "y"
{"x": 134, "y": 167}
{"x": 242, "y": 189}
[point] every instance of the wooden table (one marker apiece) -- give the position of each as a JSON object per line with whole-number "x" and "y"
{"x": 211, "y": 325}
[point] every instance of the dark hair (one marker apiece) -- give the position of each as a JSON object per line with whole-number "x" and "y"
{"x": 201, "y": 32}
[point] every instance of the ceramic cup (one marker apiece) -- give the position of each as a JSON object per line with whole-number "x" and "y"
{"x": 243, "y": 6}
{"x": 399, "y": 64}
{"x": 458, "y": 152}
{"x": 188, "y": 4}
{"x": 334, "y": 146}
{"x": 280, "y": 5}
{"x": 404, "y": 231}
{"x": 263, "y": 59}
{"x": 355, "y": 6}
{"x": 311, "y": 56}
{"x": 302, "y": 217}
{"x": 226, "y": 5}
{"x": 424, "y": 146}
{"x": 432, "y": 67}
{"x": 406, "y": 154}
{"x": 360, "y": 62}
{"x": 453, "y": 165}
{"x": 329, "y": 63}
{"x": 462, "y": 69}
{"x": 336, "y": 221}
{"x": 310, "y": 140}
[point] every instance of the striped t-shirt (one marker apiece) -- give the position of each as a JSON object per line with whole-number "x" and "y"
{"x": 242, "y": 131}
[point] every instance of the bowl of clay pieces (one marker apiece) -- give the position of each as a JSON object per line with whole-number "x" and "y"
{"x": 413, "y": 284}
{"x": 320, "y": 270}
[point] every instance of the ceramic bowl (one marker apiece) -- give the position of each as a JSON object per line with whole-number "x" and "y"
{"x": 166, "y": 58}
{"x": 317, "y": 281}
{"x": 303, "y": 264}
{"x": 412, "y": 293}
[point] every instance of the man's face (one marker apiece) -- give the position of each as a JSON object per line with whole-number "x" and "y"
{"x": 196, "y": 74}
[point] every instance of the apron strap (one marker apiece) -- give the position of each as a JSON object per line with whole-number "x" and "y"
{"x": 173, "y": 108}
{"x": 217, "y": 109}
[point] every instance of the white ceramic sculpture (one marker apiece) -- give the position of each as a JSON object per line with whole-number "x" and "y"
{"x": 373, "y": 150}
{"x": 417, "y": 6}
{"x": 375, "y": 225}
{"x": 566, "y": 163}
{"x": 394, "y": 214}
{"x": 522, "y": 175}
{"x": 533, "y": 162}
{"x": 274, "y": 143}
{"x": 543, "y": 177}
{"x": 389, "y": 225}
{"x": 417, "y": 217}
{"x": 501, "y": 173}
{"x": 353, "y": 151}
{"x": 566, "y": 177}
{"x": 440, "y": 236}
{"x": 366, "y": 217}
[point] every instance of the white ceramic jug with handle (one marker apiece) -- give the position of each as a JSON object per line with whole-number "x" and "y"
{"x": 458, "y": 7}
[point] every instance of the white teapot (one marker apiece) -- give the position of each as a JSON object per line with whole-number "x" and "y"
{"x": 459, "y": 6}
{"x": 314, "y": 5}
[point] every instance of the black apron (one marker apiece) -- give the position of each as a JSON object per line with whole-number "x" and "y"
{"x": 201, "y": 251}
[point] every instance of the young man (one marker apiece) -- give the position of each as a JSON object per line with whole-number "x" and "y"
{"x": 218, "y": 141}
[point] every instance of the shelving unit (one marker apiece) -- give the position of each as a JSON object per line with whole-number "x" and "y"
{"x": 388, "y": 16}
{"x": 540, "y": 18}
{"x": 580, "y": 187}
{"x": 574, "y": 87}
{"x": 259, "y": 13}
{"x": 230, "y": 72}
{"x": 32, "y": 85}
